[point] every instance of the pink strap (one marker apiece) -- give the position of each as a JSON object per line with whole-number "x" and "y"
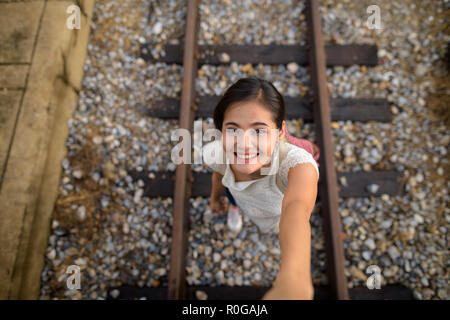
{"x": 312, "y": 148}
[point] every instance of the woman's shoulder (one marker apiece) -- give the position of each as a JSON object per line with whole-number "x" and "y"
{"x": 290, "y": 156}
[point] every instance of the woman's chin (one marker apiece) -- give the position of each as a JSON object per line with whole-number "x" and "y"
{"x": 247, "y": 168}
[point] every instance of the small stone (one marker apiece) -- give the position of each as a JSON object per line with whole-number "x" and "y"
{"x": 385, "y": 224}
{"x": 78, "y": 174}
{"x": 52, "y": 254}
{"x": 160, "y": 272}
{"x": 358, "y": 273}
{"x": 420, "y": 70}
{"x": 275, "y": 251}
{"x": 92, "y": 272}
{"x": 109, "y": 139}
{"x": 138, "y": 195}
{"x": 156, "y": 283}
{"x": 418, "y": 218}
{"x": 407, "y": 266}
{"x": 71, "y": 252}
{"x": 417, "y": 295}
{"x": 370, "y": 244}
{"x": 428, "y": 293}
{"x": 238, "y": 281}
{"x": 81, "y": 213}
{"x": 393, "y": 252}
{"x": 442, "y": 293}
{"x": 407, "y": 254}
{"x": 394, "y": 109}
{"x": 125, "y": 228}
{"x": 157, "y": 28}
{"x": 220, "y": 275}
{"x": 248, "y": 68}
{"x": 201, "y": 295}
{"x": 348, "y": 221}
{"x": 74, "y": 294}
{"x": 419, "y": 177}
{"x": 80, "y": 262}
{"x": 292, "y": 67}
{"x": 343, "y": 181}
{"x": 114, "y": 293}
{"x": 228, "y": 251}
{"x": 382, "y": 244}
{"x": 108, "y": 171}
{"x": 224, "y": 57}
{"x": 247, "y": 263}
{"x": 391, "y": 271}
{"x": 216, "y": 257}
{"x": 254, "y": 237}
{"x": 234, "y": 67}
{"x": 424, "y": 281}
{"x": 372, "y": 188}
{"x": 109, "y": 247}
{"x": 366, "y": 255}
{"x": 97, "y": 140}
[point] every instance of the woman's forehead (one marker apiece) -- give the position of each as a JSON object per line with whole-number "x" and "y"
{"x": 247, "y": 113}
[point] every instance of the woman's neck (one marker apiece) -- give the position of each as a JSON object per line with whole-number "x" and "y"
{"x": 248, "y": 177}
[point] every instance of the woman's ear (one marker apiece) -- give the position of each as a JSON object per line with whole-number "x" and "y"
{"x": 281, "y": 134}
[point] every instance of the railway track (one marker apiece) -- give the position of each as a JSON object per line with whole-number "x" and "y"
{"x": 184, "y": 183}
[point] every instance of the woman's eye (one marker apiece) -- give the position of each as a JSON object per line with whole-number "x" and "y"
{"x": 231, "y": 130}
{"x": 258, "y": 131}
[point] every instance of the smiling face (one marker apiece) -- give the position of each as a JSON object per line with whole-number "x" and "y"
{"x": 249, "y": 135}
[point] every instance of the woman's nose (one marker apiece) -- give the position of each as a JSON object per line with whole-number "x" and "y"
{"x": 247, "y": 140}
{"x": 251, "y": 138}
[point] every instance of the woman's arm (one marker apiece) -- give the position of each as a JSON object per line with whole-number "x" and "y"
{"x": 294, "y": 277}
{"x": 217, "y": 186}
{"x": 217, "y": 189}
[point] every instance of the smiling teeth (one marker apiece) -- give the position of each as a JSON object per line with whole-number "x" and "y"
{"x": 241, "y": 156}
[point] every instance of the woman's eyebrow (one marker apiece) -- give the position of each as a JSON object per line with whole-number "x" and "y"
{"x": 253, "y": 124}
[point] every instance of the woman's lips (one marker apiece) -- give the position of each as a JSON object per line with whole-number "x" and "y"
{"x": 246, "y": 156}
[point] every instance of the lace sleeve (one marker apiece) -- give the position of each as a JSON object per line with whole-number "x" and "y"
{"x": 294, "y": 157}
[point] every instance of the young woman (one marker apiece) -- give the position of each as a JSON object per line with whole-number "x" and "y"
{"x": 281, "y": 201}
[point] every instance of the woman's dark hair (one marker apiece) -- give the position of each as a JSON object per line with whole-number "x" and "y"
{"x": 252, "y": 89}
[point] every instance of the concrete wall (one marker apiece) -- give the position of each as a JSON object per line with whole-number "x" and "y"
{"x": 41, "y": 69}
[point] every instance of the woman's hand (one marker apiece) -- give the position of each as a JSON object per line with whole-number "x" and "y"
{"x": 288, "y": 293}
{"x": 217, "y": 204}
{"x": 290, "y": 286}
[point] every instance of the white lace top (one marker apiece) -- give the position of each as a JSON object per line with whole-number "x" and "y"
{"x": 260, "y": 200}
